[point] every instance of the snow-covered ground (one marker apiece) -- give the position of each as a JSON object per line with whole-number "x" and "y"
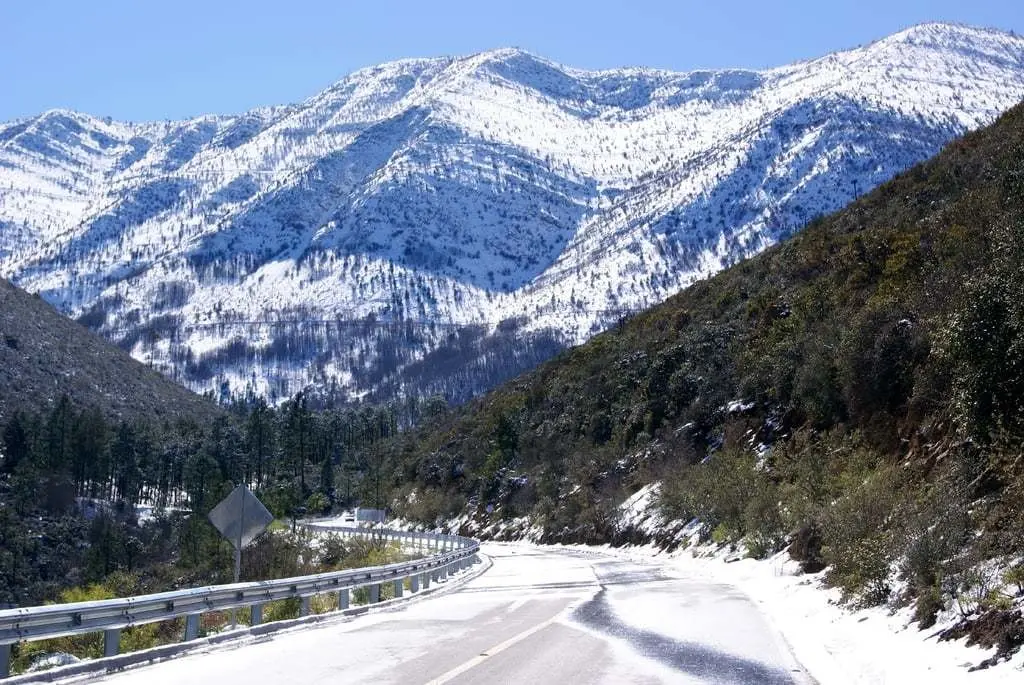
{"x": 838, "y": 645}
{"x": 834, "y": 642}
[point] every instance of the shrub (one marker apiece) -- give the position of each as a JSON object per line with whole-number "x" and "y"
{"x": 762, "y": 522}
{"x": 805, "y": 547}
{"x": 1015, "y": 576}
{"x": 333, "y": 550}
{"x": 927, "y": 606}
{"x": 859, "y": 540}
{"x": 974, "y": 590}
{"x": 318, "y": 503}
{"x": 861, "y": 569}
{"x": 282, "y": 609}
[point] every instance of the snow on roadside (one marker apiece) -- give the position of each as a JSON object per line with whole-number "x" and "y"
{"x": 835, "y": 643}
{"x": 839, "y": 645}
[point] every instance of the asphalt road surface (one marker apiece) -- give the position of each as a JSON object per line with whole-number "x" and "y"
{"x": 539, "y": 615}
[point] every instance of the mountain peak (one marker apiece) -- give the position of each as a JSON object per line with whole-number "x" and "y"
{"x": 60, "y": 116}
{"x": 507, "y": 53}
{"x": 950, "y": 34}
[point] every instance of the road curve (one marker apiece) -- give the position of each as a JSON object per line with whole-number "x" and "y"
{"x": 539, "y": 615}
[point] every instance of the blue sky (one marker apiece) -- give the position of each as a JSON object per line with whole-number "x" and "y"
{"x": 143, "y": 59}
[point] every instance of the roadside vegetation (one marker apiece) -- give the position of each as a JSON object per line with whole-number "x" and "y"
{"x": 276, "y": 554}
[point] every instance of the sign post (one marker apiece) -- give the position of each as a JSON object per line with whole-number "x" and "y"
{"x": 241, "y": 518}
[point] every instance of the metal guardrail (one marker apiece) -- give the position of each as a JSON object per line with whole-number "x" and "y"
{"x": 111, "y": 616}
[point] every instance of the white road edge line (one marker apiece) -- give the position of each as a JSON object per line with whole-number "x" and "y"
{"x": 486, "y": 654}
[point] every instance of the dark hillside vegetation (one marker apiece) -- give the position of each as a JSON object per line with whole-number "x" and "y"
{"x": 44, "y": 356}
{"x": 86, "y": 501}
{"x": 854, "y": 392}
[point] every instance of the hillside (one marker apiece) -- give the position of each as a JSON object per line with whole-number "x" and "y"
{"x": 44, "y": 356}
{"x": 419, "y": 207}
{"x": 853, "y": 392}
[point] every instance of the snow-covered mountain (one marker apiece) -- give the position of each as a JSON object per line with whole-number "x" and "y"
{"x": 393, "y": 220}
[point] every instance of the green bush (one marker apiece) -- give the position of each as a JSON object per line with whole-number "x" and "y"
{"x": 927, "y": 606}
{"x": 734, "y": 496}
{"x": 317, "y": 503}
{"x": 282, "y": 609}
{"x": 859, "y": 538}
{"x": 333, "y": 551}
{"x": 860, "y": 569}
{"x": 1015, "y": 576}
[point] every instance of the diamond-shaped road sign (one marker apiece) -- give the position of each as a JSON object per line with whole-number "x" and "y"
{"x": 241, "y": 517}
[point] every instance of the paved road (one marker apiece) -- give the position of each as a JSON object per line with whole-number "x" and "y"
{"x": 538, "y": 616}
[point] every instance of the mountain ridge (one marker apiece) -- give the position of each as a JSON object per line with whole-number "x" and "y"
{"x": 463, "y": 191}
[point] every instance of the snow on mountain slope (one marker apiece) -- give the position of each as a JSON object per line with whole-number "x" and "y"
{"x": 341, "y": 240}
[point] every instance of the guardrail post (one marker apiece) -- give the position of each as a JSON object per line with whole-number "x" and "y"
{"x": 343, "y": 599}
{"x": 373, "y": 593}
{"x": 191, "y": 627}
{"x": 111, "y": 642}
{"x": 256, "y": 614}
{"x": 5, "y": 660}
{"x": 399, "y": 587}
{"x": 304, "y": 607}
{"x": 414, "y": 582}
{"x": 426, "y": 580}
